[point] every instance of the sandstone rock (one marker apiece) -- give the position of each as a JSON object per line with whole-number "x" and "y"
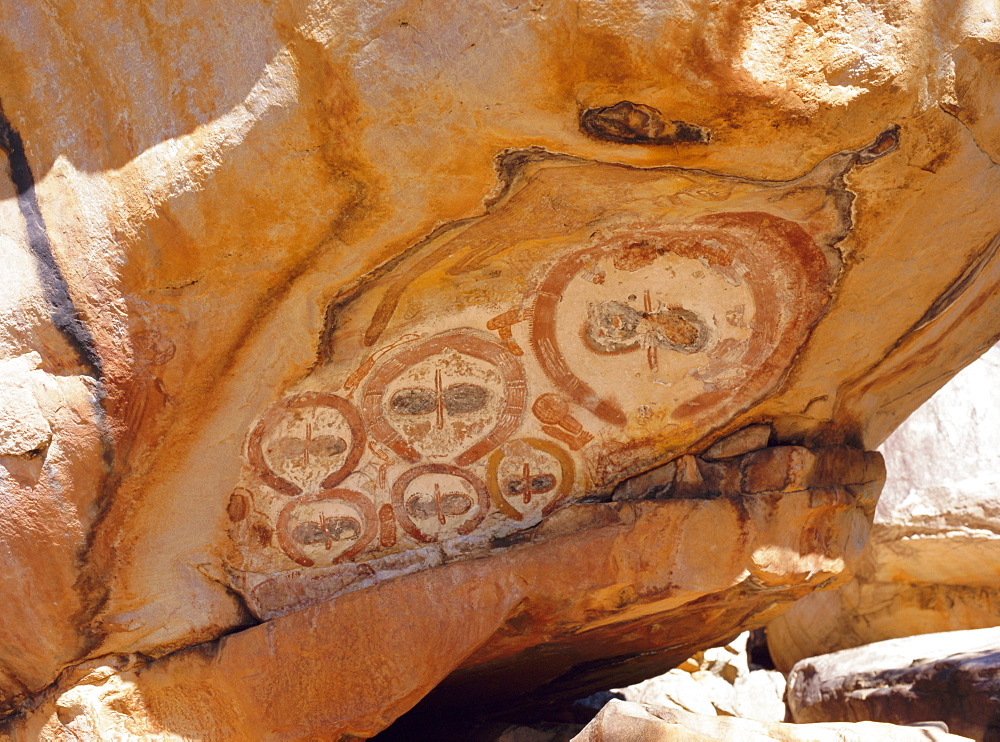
{"x": 466, "y": 615}
{"x": 933, "y": 562}
{"x": 330, "y": 299}
{"x": 717, "y": 681}
{"x": 622, "y": 720}
{"x": 751, "y": 438}
{"x": 953, "y": 677}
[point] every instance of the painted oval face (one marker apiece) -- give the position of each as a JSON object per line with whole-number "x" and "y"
{"x": 322, "y": 529}
{"x": 529, "y": 477}
{"x": 307, "y": 442}
{"x": 644, "y": 314}
{"x": 442, "y": 404}
{"x": 440, "y": 504}
{"x": 451, "y": 398}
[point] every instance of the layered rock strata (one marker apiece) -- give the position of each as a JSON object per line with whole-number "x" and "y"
{"x": 641, "y": 568}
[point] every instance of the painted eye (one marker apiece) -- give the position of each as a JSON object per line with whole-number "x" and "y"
{"x": 617, "y": 320}
{"x": 459, "y": 398}
{"x": 612, "y": 327}
{"x": 328, "y": 445}
{"x": 421, "y": 506}
{"x": 413, "y": 401}
{"x": 677, "y": 329}
{"x": 309, "y": 533}
{"x": 515, "y": 486}
{"x": 287, "y": 448}
{"x": 343, "y": 528}
{"x": 455, "y": 504}
{"x": 543, "y": 483}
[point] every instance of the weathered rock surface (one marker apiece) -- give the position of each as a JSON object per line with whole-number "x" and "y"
{"x": 933, "y": 561}
{"x": 952, "y": 677}
{"x": 310, "y": 303}
{"x": 469, "y": 615}
{"x": 623, "y": 720}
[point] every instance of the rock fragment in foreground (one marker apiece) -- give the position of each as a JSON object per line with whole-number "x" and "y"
{"x": 953, "y": 677}
{"x": 623, "y": 720}
{"x": 716, "y": 682}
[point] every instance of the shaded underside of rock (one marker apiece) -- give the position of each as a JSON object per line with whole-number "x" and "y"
{"x": 627, "y": 575}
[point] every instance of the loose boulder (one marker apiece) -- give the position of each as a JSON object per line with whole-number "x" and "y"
{"x": 952, "y": 677}
{"x": 622, "y": 720}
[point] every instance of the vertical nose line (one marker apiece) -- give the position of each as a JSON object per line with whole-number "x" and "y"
{"x": 439, "y": 396}
{"x": 437, "y": 503}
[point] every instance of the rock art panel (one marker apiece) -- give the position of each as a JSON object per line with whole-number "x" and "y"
{"x": 642, "y": 566}
{"x": 514, "y": 362}
{"x": 235, "y": 209}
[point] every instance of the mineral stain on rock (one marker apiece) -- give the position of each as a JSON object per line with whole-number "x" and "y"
{"x": 636, "y": 123}
{"x": 63, "y": 311}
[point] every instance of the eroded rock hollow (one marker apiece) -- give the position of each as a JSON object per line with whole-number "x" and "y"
{"x": 480, "y": 355}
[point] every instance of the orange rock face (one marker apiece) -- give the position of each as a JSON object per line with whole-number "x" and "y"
{"x": 314, "y": 304}
{"x": 644, "y": 581}
{"x": 452, "y": 419}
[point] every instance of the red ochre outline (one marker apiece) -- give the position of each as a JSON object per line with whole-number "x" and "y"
{"x": 255, "y": 450}
{"x": 559, "y": 454}
{"x": 399, "y": 491}
{"x": 462, "y": 341}
{"x": 368, "y": 517}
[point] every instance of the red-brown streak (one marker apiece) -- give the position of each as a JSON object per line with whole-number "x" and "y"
{"x": 390, "y": 299}
{"x": 387, "y": 526}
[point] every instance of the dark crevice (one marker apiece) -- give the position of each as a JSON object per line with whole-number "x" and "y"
{"x": 63, "y": 312}
{"x": 636, "y": 123}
